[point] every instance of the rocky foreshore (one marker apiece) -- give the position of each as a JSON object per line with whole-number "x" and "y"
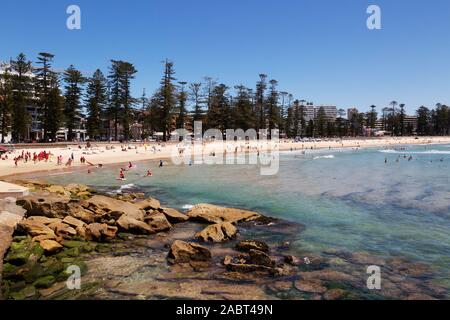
{"x": 129, "y": 246}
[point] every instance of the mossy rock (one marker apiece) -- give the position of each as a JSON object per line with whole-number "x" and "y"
{"x": 32, "y": 272}
{"x": 68, "y": 260}
{"x": 28, "y": 292}
{"x": 103, "y": 248}
{"x": 17, "y": 286}
{"x": 44, "y": 282}
{"x": 53, "y": 267}
{"x": 125, "y": 236}
{"x": 21, "y": 252}
{"x": 73, "y": 252}
{"x": 9, "y": 271}
{"x": 73, "y": 244}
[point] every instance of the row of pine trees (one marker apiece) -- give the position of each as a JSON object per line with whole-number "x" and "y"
{"x": 62, "y": 98}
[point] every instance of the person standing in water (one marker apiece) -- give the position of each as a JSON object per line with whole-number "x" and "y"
{"x": 161, "y": 163}
{"x": 121, "y": 175}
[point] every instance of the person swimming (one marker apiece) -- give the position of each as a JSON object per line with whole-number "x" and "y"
{"x": 149, "y": 173}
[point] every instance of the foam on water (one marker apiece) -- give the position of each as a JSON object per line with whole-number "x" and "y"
{"x": 324, "y": 157}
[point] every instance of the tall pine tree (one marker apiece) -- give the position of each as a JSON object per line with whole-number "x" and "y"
{"x": 96, "y": 100}
{"x": 74, "y": 81}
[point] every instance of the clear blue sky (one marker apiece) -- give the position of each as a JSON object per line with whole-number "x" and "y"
{"x": 319, "y": 50}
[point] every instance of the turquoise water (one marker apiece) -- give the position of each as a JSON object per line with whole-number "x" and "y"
{"x": 346, "y": 199}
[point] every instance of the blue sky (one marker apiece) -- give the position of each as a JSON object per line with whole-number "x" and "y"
{"x": 319, "y": 50}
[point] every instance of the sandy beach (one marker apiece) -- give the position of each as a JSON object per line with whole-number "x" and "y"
{"x": 105, "y": 154}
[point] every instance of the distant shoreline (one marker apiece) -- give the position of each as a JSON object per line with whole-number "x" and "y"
{"x": 99, "y": 155}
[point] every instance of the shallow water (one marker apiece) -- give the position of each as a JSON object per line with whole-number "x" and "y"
{"x": 347, "y": 199}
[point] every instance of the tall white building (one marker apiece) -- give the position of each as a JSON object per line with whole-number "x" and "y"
{"x": 311, "y": 112}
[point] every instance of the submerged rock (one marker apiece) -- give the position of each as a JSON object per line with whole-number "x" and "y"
{"x": 310, "y": 286}
{"x": 209, "y": 213}
{"x": 248, "y": 245}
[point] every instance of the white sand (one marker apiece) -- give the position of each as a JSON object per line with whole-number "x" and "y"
{"x": 102, "y": 154}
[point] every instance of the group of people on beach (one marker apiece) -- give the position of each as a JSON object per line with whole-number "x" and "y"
{"x": 26, "y": 156}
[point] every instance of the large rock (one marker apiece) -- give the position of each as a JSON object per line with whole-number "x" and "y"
{"x": 73, "y": 222}
{"x": 157, "y": 222}
{"x": 183, "y": 252}
{"x": 174, "y": 216}
{"x": 113, "y": 208}
{"x": 46, "y": 204}
{"x": 132, "y": 225}
{"x": 63, "y": 230}
{"x": 214, "y": 214}
{"x": 149, "y": 204}
{"x": 100, "y": 232}
{"x": 50, "y": 246}
{"x": 34, "y": 228}
{"x": 44, "y": 220}
{"x": 77, "y": 211}
{"x": 217, "y": 232}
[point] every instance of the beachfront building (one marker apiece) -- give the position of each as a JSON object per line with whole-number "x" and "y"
{"x": 35, "y": 131}
{"x": 410, "y": 124}
{"x": 331, "y": 112}
{"x": 311, "y": 112}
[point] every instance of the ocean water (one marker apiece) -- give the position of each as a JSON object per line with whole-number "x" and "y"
{"x": 346, "y": 199}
